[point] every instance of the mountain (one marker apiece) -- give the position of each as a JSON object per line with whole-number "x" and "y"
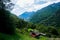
{"x": 53, "y": 20}
{"x": 26, "y": 15}
{"x": 47, "y": 15}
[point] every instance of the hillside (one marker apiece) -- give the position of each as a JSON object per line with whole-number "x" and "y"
{"x": 9, "y": 24}
{"x": 46, "y": 14}
{"x": 53, "y": 20}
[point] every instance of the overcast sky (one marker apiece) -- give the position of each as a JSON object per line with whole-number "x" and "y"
{"x": 22, "y": 6}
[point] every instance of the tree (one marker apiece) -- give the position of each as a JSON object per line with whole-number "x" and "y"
{"x": 53, "y": 31}
{"x": 7, "y": 22}
{"x": 21, "y": 24}
{"x": 6, "y": 4}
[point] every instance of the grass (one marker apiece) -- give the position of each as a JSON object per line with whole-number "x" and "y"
{"x": 8, "y": 37}
{"x": 26, "y": 36}
{"x": 19, "y": 36}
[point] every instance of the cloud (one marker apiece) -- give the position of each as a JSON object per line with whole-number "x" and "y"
{"x": 25, "y": 3}
{"x": 30, "y": 5}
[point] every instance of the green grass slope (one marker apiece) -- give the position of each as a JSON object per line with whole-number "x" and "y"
{"x": 27, "y": 36}
{"x": 19, "y": 36}
{"x": 8, "y": 37}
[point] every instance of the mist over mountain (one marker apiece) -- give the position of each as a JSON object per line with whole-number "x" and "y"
{"x": 49, "y": 15}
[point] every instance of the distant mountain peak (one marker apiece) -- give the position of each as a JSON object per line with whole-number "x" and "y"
{"x": 26, "y": 15}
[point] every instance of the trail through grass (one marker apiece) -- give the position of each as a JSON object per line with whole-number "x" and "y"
{"x": 27, "y": 36}
{"x": 20, "y": 36}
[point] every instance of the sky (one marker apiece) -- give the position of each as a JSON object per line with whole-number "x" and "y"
{"x": 22, "y": 6}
